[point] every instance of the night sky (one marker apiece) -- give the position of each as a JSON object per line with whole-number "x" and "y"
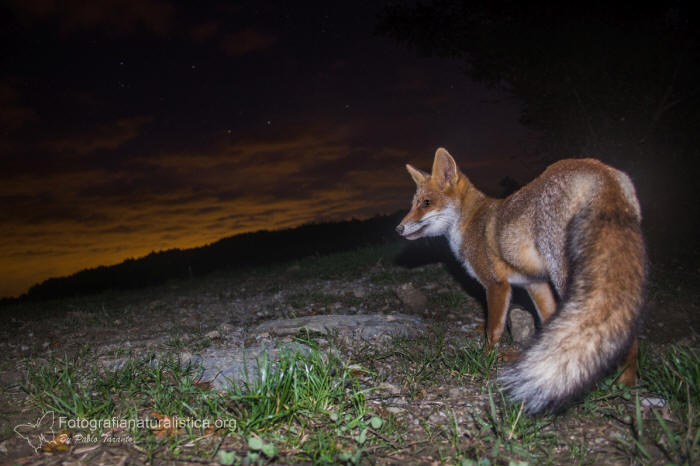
{"x": 131, "y": 127}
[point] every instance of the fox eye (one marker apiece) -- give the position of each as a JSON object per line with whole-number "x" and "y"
{"x": 426, "y": 203}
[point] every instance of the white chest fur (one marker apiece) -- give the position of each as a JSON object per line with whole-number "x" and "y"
{"x": 454, "y": 237}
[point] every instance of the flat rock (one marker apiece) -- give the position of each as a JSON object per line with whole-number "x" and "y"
{"x": 223, "y": 367}
{"x": 355, "y": 327}
{"x": 232, "y": 362}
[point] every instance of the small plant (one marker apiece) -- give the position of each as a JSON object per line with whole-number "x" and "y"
{"x": 60, "y": 387}
{"x": 677, "y": 376}
{"x": 636, "y": 448}
{"x": 419, "y": 360}
{"x": 297, "y": 385}
{"x": 673, "y": 375}
{"x": 606, "y": 396}
{"x": 260, "y": 451}
{"x": 228, "y": 458}
{"x": 507, "y": 425}
{"x": 471, "y": 359}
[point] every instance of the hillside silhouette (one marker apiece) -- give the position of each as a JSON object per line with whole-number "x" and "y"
{"x": 249, "y": 249}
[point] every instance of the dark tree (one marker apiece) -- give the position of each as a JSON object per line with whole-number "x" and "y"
{"x": 592, "y": 72}
{"x": 607, "y": 80}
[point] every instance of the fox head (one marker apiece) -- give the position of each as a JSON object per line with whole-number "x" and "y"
{"x": 435, "y": 206}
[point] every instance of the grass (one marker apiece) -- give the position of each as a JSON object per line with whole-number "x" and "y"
{"x": 675, "y": 377}
{"x": 60, "y": 387}
{"x": 506, "y": 431}
{"x": 471, "y": 359}
{"x": 310, "y": 403}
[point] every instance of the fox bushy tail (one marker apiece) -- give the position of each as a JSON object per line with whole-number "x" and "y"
{"x": 597, "y": 319}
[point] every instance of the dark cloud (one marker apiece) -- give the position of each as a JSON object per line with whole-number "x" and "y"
{"x": 105, "y": 136}
{"x": 116, "y": 17}
{"x": 205, "y": 30}
{"x": 246, "y": 41}
{"x": 15, "y": 114}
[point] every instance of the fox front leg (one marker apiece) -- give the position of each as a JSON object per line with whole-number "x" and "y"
{"x": 497, "y": 301}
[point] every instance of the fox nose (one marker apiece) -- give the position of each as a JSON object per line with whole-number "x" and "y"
{"x": 399, "y": 229}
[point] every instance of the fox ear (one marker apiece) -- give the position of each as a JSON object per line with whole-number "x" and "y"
{"x": 444, "y": 168}
{"x": 419, "y": 176}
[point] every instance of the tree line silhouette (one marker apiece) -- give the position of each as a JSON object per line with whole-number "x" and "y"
{"x": 248, "y": 249}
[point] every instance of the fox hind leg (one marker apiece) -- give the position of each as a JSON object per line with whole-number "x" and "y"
{"x": 629, "y": 375}
{"x": 542, "y": 297}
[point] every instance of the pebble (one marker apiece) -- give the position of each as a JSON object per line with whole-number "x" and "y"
{"x": 522, "y": 325}
{"x": 225, "y": 327}
{"x": 389, "y": 387}
{"x": 411, "y": 297}
{"x": 652, "y": 402}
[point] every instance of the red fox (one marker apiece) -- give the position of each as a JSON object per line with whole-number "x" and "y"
{"x": 576, "y": 227}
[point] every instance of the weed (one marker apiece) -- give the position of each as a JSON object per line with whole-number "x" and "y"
{"x": 677, "y": 376}
{"x": 471, "y": 359}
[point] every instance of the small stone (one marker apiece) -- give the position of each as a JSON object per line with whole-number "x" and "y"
{"x": 185, "y": 357}
{"x": 225, "y": 327}
{"x": 522, "y": 325}
{"x": 437, "y": 417}
{"x": 214, "y": 334}
{"x": 389, "y": 387}
{"x": 652, "y": 402}
{"x": 469, "y": 327}
{"x": 10, "y": 377}
{"x": 411, "y": 297}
